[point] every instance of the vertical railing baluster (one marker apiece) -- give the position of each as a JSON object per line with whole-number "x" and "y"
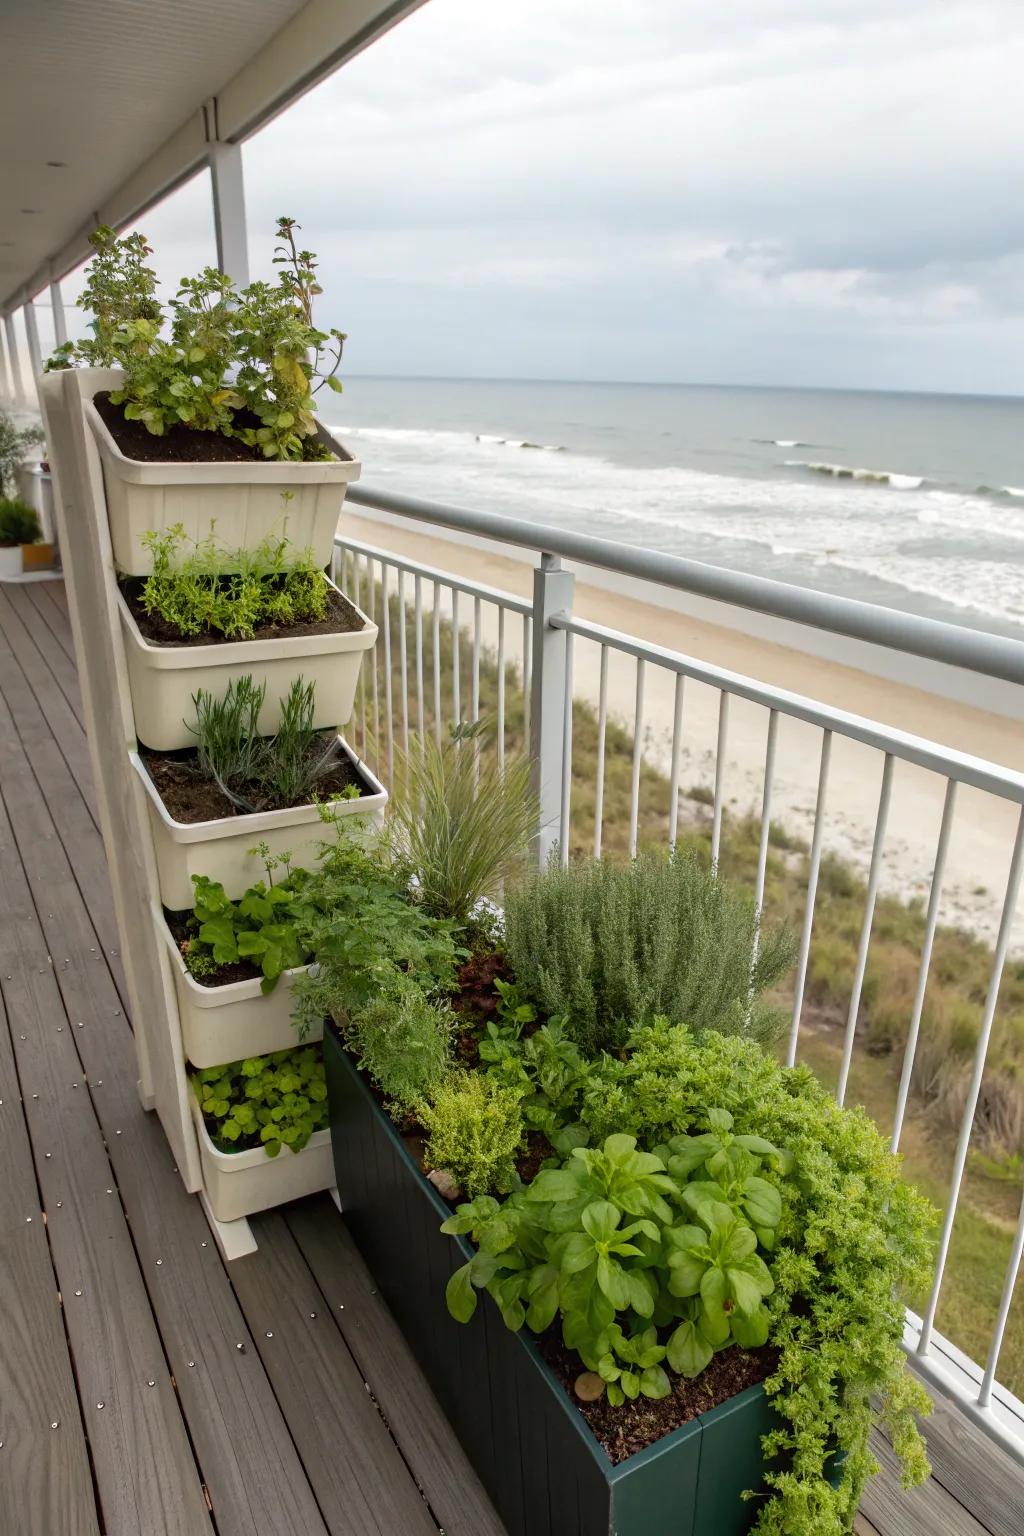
{"x": 477, "y": 641}
{"x": 602, "y": 734}
{"x": 766, "y": 826}
{"x": 934, "y": 898}
{"x": 812, "y": 891}
{"x": 403, "y": 660}
{"x": 436, "y": 628}
{"x": 874, "y": 874}
{"x": 1003, "y": 1315}
{"x": 563, "y": 820}
{"x": 418, "y": 599}
{"x": 456, "y": 660}
{"x": 389, "y": 713}
{"x": 527, "y": 681}
{"x": 500, "y": 735}
{"x": 677, "y": 745}
{"x": 974, "y": 1090}
{"x": 638, "y": 743}
{"x": 362, "y": 670}
{"x": 716, "y": 815}
{"x": 372, "y": 611}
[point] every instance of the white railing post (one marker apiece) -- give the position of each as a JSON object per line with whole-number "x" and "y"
{"x": 6, "y": 375}
{"x": 60, "y": 329}
{"x": 19, "y": 399}
{"x": 35, "y": 356}
{"x": 228, "y": 186}
{"x": 552, "y": 594}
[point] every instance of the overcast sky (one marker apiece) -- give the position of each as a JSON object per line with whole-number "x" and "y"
{"x": 807, "y": 192}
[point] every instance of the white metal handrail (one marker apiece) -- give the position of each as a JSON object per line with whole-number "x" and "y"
{"x": 550, "y": 630}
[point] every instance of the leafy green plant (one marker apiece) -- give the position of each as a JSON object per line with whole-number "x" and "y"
{"x": 198, "y": 586}
{"x": 270, "y": 1101}
{"x": 257, "y": 772}
{"x": 461, "y": 822}
{"x": 605, "y": 945}
{"x": 851, "y": 1240}
{"x": 14, "y": 445}
{"x": 19, "y": 524}
{"x": 226, "y": 352}
{"x": 475, "y": 1128}
{"x": 261, "y": 927}
{"x": 404, "y": 1041}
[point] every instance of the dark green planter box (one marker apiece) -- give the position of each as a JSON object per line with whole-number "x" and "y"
{"x": 544, "y": 1470}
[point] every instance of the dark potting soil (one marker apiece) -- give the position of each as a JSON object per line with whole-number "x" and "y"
{"x": 633, "y": 1426}
{"x": 183, "y": 929}
{"x": 341, "y": 619}
{"x": 190, "y": 798}
{"x": 184, "y": 445}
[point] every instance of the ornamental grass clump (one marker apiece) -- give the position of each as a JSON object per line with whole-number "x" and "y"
{"x": 19, "y": 523}
{"x": 460, "y": 821}
{"x": 603, "y": 946}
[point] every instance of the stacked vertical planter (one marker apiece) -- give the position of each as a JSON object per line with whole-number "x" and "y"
{"x": 240, "y": 504}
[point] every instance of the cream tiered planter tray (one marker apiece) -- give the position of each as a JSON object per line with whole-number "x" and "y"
{"x": 223, "y": 849}
{"x": 241, "y": 1183}
{"x": 165, "y": 678}
{"x": 240, "y": 503}
{"x": 228, "y": 1023}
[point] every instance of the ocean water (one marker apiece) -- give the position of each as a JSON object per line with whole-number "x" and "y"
{"x": 914, "y": 501}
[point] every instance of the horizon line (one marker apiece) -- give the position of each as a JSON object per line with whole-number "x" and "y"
{"x": 825, "y": 389}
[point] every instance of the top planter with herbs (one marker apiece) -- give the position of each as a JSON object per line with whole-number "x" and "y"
{"x": 211, "y": 422}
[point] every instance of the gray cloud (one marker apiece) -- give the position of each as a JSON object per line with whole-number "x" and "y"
{"x": 804, "y": 191}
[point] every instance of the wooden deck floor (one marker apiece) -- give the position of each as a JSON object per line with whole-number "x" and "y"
{"x": 146, "y": 1387}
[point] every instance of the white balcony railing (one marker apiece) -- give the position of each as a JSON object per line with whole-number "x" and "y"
{"x": 403, "y": 696}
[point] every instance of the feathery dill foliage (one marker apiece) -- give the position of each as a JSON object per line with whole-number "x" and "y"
{"x": 403, "y": 1041}
{"x": 605, "y": 945}
{"x": 853, "y": 1241}
{"x": 460, "y": 823}
{"x": 208, "y": 588}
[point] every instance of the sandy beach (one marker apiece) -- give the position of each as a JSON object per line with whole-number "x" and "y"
{"x": 984, "y": 826}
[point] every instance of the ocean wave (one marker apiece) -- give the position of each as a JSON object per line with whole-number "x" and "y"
{"x": 514, "y": 442}
{"x": 783, "y": 442}
{"x": 1015, "y": 492}
{"x": 847, "y": 472}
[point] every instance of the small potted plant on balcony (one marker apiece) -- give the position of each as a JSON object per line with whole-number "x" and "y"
{"x": 236, "y": 798}
{"x": 263, "y": 1133}
{"x": 211, "y": 420}
{"x": 21, "y": 548}
{"x": 205, "y": 616}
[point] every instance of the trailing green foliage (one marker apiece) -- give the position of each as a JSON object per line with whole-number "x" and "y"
{"x": 200, "y": 587}
{"x": 270, "y": 1101}
{"x": 475, "y": 1128}
{"x": 835, "y": 1230}
{"x": 403, "y": 1041}
{"x": 362, "y": 929}
{"x": 263, "y": 773}
{"x": 460, "y": 822}
{"x": 19, "y": 523}
{"x": 225, "y": 352}
{"x": 605, "y": 945}
{"x": 262, "y": 927}
{"x": 621, "y": 1243}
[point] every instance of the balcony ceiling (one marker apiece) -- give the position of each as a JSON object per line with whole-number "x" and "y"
{"x": 101, "y": 103}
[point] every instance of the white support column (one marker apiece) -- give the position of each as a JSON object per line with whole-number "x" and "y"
{"x": 6, "y": 379}
{"x": 225, "y": 161}
{"x": 60, "y": 329}
{"x": 552, "y": 593}
{"x": 19, "y": 400}
{"x": 35, "y": 356}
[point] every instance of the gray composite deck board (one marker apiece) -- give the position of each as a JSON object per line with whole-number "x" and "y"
{"x": 326, "y": 1427}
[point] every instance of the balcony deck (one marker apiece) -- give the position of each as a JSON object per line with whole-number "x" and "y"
{"x": 145, "y": 1386}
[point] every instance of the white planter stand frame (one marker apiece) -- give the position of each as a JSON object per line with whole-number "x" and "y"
{"x": 90, "y": 577}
